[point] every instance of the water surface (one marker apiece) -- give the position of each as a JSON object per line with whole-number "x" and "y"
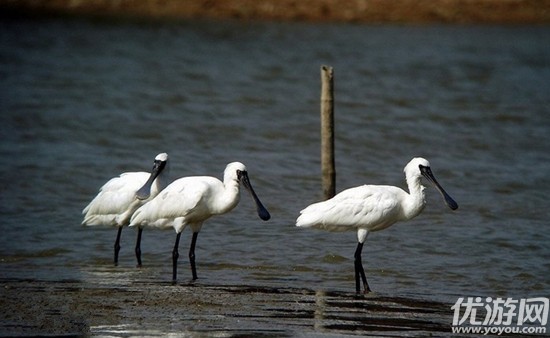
{"x": 82, "y": 101}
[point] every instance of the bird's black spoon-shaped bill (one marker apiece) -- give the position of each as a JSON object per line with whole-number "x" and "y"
{"x": 145, "y": 191}
{"x": 427, "y": 172}
{"x": 262, "y": 211}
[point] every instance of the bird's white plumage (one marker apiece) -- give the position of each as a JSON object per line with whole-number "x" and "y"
{"x": 116, "y": 201}
{"x": 191, "y": 201}
{"x": 368, "y": 206}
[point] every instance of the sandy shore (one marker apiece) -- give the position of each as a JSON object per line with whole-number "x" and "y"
{"x": 367, "y": 11}
{"x": 76, "y": 308}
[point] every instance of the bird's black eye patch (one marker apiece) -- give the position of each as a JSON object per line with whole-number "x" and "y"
{"x": 424, "y": 170}
{"x": 160, "y": 164}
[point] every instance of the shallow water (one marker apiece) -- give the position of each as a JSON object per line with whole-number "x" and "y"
{"x": 82, "y": 101}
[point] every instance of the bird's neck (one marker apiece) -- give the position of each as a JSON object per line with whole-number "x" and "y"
{"x": 161, "y": 181}
{"x": 416, "y": 199}
{"x": 230, "y": 196}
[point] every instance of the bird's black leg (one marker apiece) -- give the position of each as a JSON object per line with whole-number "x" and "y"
{"x": 175, "y": 255}
{"x": 192, "y": 255}
{"x": 117, "y": 245}
{"x": 138, "y": 247}
{"x": 359, "y": 271}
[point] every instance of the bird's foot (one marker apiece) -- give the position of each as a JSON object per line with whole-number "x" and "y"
{"x": 364, "y": 292}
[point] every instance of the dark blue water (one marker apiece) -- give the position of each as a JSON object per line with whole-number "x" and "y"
{"x": 82, "y": 101}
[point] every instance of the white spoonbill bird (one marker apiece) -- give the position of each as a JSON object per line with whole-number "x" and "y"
{"x": 121, "y": 196}
{"x": 372, "y": 208}
{"x": 191, "y": 201}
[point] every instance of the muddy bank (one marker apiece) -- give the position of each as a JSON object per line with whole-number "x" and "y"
{"x": 156, "y": 309}
{"x": 365, "y": 11}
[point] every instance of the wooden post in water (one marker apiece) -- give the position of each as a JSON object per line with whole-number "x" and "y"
{"x": 327, "y": 133}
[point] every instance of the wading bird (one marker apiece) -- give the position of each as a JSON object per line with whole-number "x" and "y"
{"x": 372, "y": 208}
{"x": 191, "y": 201}
{"x": 121, "y": 196}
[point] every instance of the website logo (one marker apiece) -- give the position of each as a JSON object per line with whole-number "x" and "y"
{"x": 489, "y": 315}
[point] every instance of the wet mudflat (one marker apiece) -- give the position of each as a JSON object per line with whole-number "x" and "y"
{"x": 33, "y": 307}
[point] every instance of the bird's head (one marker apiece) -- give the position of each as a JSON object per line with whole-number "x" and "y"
{"x": 160, "y": 164}
{"x": 419, "y": 167}
{"x": 241, "y": 174}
